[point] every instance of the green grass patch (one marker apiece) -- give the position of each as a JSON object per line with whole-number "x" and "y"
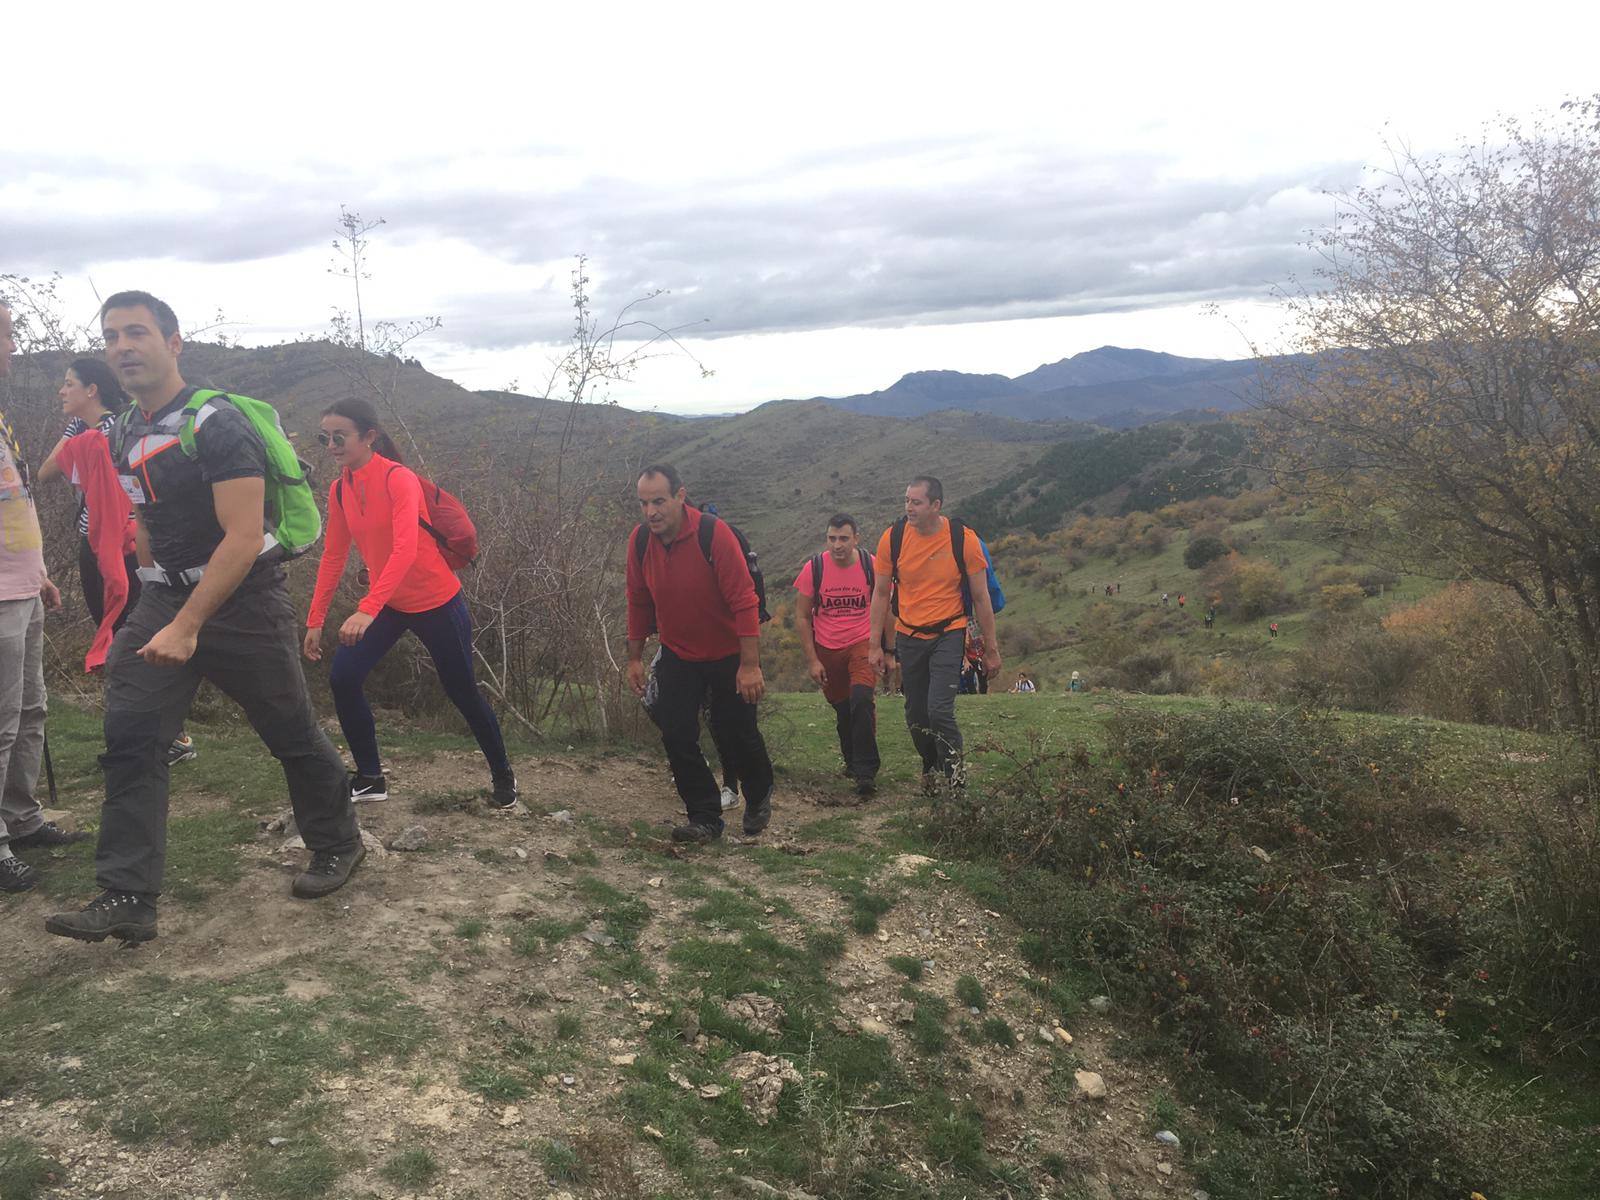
{"x": 471, "y": 928}
{"x": 492, "y": 1083}
{"x": 908, "y": 965}
{"x": 305, "y": 1169}
{"x": 623, "y": 916}
{"x": 537, "y": 936}
{"x": 143, "y": 1044}
{"x": 412, "y": 1168}
{"x": 562, "y": 1162}
{"x": 998, "y": 1030}
{"x": 970, "y": 992}
{"x": 25, "y": 1173}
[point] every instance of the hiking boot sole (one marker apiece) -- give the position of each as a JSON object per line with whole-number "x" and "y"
{"x": 129, "y": 934}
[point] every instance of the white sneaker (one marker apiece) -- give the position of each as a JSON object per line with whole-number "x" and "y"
{"x": 730, "y": 799}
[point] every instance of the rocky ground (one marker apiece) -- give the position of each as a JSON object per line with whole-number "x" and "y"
{"x": 563, "y": 1001}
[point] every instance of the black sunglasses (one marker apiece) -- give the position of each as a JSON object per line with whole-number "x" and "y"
{"x": 331, "y": 439}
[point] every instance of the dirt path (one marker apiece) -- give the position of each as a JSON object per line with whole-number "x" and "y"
{"x": 534, "y": 1004}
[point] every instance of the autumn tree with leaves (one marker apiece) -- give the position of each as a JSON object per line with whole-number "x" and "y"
{"x": 1450, "y": 414}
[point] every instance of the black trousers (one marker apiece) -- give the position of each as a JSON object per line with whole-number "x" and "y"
{"x": 683, "y": 686}
{"x": 856, "y": 721}
{"x": 250, "y": 649}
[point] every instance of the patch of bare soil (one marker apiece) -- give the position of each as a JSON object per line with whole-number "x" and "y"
{"x": 439, "y": 925}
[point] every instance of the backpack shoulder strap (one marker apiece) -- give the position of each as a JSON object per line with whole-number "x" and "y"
{"x": 708, "y": 530}
{"x": 186, "y": 425}
{"x": 869, "y": 571}
{"x": 958, "y": 544}
{"x": 816, "y": 581}
{"x": 119, "y": 435}
{"x": 641, "y": 543}
{"x": 897, "y": 537}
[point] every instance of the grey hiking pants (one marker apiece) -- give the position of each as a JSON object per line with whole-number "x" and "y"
{"x": 22, "y": 708}
{"x": 930, "y": 673}
{"x": 250, "y": 650}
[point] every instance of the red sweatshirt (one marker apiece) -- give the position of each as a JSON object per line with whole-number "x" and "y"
{"x": 86, "y": 460}
{"x": 699, "y": 609}
{"x": 380, "y": 504}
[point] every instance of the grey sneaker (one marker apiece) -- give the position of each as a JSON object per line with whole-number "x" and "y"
{"x": 504, "y": 796}
{"x": 730, "y": 799}
{"x": 125, "y": 916}
{"x": 16, "y": 875}
{"x": 327, "y": 873}
{"x": 181, "y": 750}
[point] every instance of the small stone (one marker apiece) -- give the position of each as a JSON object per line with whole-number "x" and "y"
{"x": 293, "y": 844}
{"x": 553, "y": 859}
{"x": 564, "y": 816}
{"x": 623, "y": 1060}
{"x": 678, "y": 1078}
{"x": 1090, "y": 1085}
{"x": 873, "y": 1026}
{"x": 568, "y": 1080}
{"x": 597, "y": 937}
{"x": 1258, "y": 852}
{"x": 1100, "y": 1004}
{"x": 1066, "y": 1038}
{"x": 409, "y": 839}
{"x": 511, "y": 1117}
{"x": 761, "y": 1013}
{"x": 374, "y": 847}
{"x": 1164, "y": 1167}
{"x": 904, "y": 1012}
{"x": 1046, "y": 1035}
{"x": 883, "y": 936}
{"x": 927, "y": 964}
{"x": 1199, "y": 1194}
{"x": 520, "y": 853}
{"x": 655, "y": 881}
{"x": 924, "y": 933}
{"x": 711, "y": 1091}
{"x": 1167, "y": 1138}
{"x": 652, "y": 1131}
{"x": 281, "y": 823}
{"x": 275, "y": 1142}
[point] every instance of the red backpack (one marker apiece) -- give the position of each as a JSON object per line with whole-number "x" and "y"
{"x": 445, "y": 517}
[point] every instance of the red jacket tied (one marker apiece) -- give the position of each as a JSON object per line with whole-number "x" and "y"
{"x": 699, "y": 609}
{"x": 86, "y": 460}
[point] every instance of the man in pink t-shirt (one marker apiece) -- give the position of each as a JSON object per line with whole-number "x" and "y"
{"x": 833, "y": 613}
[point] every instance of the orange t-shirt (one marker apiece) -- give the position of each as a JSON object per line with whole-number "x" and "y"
{"x": 930, "y": 584}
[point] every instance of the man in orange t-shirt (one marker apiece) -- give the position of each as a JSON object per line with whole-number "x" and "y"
{"x": 924, "y": 588}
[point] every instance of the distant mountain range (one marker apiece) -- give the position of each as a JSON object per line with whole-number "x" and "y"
{"x": 1111, "y": 386}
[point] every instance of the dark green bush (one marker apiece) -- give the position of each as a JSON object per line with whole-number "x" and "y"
{"x": 1253, "y": 880}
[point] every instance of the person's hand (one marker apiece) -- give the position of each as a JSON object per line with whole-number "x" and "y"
{"x": 170, "y": 647}
{"x": 875, "y": 660}
{"x": 991, "y": 661}
{"x": 819, "y": 673}
{"x": 312, "y": 647}
{"x": 50, "y": 594}
{"x": 350, "y": 632}
{"x": 638, "y": 676}
{"x": 750, "y": 684}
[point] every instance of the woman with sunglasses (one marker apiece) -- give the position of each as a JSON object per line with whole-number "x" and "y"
{"x": 377, "y": 502}
{"x": 92, "y": 398}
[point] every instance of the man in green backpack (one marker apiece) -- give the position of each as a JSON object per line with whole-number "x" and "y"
{"x": 218, "y": 512}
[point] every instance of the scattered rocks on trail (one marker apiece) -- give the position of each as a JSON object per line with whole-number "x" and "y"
{"x": 1090, "y": 1085}
{"x": 761, "y": 1079}
{"x": 761, "y": 1013}
{"x": 511, "y": 1117}
{"x": 1046, "y": 1035}
{"x": 282, "y": 823}
{"x": 413, "y": 837}
{"x": 596, "y": 936}
{"x": 873, "y": 1026}
{"x": 1258, "y": 852}
{"x": 1100, "y": 1004}
{"x": 565, "y": 817}
{"x": 904, "y": 1012}
{"x": 908, "y": 864}
{"x": 1167, "y": 1138}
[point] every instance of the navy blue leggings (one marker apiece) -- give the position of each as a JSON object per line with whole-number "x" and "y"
{"x": 447, "y": 633}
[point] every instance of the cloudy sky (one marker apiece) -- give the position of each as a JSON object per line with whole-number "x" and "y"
{"x": 826, "y": 196}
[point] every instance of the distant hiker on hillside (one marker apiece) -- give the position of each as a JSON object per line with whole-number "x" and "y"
{"x": 974, "y": 679}
{"x": 1182, "y": 600}
{"x": 1076, "y": 683}
{"x": 1211, "y": 616}
{"x": 91, "y": 399}
{"x": 930, "y": 569}
{"x": 1024, "y": 684}
{"x": 1273, "y": 629}
{"x": 377, "y": 502}
{"x": 1163, "y": 600}
{"x": 833, "y": 616}
{"x": 691, "y": 587}
{"x": 25, "y": 590}
{"x": 214, "y": 606}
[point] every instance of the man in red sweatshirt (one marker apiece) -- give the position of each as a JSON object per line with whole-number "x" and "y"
{"x": 694, "y": 592}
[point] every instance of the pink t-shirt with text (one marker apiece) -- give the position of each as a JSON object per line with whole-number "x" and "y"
{"x": 842, "y": 616}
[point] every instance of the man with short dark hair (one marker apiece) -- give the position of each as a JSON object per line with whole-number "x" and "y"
{"x": 696, "y": 594}
{"x": 833, "y": 616}
{"x": 214, "y": 606}
{"x": 25, "y": 589}
{"x": 928, "y": 589}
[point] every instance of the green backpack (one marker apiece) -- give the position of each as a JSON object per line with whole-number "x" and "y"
{"x": 291, "y": 507}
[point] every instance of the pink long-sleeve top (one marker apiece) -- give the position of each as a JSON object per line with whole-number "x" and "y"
{"x": 378, "y": 506}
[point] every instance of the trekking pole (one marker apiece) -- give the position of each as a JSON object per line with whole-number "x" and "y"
{"x": 50, "y": 772}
